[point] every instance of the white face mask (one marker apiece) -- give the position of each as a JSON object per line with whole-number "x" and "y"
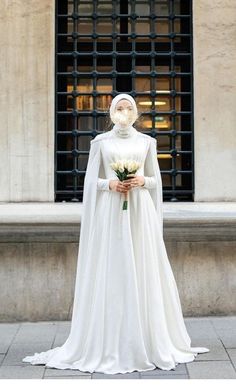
{"x": 124, "y": 118}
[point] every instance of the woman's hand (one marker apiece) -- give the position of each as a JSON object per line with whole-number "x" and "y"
{"x": 126, "y": 185}
{"x": 118, "y": 186}
{"x": 136, "y": 181}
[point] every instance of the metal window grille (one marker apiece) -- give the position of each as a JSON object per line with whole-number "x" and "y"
{"x": 140, "y": 47}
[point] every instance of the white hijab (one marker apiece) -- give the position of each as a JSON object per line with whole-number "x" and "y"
{"x": 123, "y": 121}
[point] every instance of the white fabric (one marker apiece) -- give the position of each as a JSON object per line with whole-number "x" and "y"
{"x": 127, "y": 314}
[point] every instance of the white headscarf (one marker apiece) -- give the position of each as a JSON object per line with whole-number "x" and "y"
{"x": 123, "y": 121}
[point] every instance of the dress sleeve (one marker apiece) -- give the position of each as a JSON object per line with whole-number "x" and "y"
{"x": 149, "y": 176}
{"x": 103, "y": 184}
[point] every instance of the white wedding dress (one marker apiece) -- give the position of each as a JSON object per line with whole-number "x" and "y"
{"x": 127, "y": 314}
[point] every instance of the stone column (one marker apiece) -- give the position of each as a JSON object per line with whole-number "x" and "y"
{"x": 214, "y": 32}
{"x": 27, "y": 100}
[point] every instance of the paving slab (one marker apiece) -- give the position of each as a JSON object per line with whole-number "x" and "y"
{"x": 9, "y": 328}
{"x": 128, "y": 375}
{"x": 217, "y": 350}
{"x": 68, "y": 377}
{"x": 21, "y": 372}
{"x": 232, "y": 356}
{"x": 7, "y": 334}
{"x": 180, "y": 369}
{"x": 51, "y": 372}
{"x": 36, "y": 332}
{"x": 201, "y": 330}
{"x": 184, "y": 376}
{"x": 63, "y": 325}
{"x": 228, "y": 337}
{"x": 224, "y": 322}
{"x": 2, "y": 355}
{"x": 5, "y": 343}
{"x": 60, "y": 339}
{"x": 18, "y": 340}
{"x": 18, "y": 351}
{"x": 211, "y": 370}
{"x": 62, "y": 334}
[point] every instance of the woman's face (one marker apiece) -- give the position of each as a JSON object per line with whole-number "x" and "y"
{"x": 124, "y": 113}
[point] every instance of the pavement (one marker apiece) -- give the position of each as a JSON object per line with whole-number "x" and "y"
{"x": 20, "y": 339}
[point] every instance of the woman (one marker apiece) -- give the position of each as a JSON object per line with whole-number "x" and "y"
{"x": 127, "y": 314}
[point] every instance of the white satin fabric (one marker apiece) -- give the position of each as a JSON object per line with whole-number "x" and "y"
{"x": 127, "y": 314}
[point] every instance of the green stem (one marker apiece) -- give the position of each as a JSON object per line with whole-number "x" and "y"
{"x": 125, "y": 204}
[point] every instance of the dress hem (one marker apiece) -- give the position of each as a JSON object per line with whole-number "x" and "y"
{"x": 116, "y": 372}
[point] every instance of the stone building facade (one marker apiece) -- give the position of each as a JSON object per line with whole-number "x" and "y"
{"x": 39, "y": 237}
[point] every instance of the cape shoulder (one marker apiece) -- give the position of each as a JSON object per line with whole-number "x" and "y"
{"x": 148, "y": 137}
{"x": 99, "y": 137}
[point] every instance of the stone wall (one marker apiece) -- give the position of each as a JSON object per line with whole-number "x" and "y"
{"x": 214, "y": 45}
{"x": 38, "y": 258}
{"x": 27, "y": 40}
{"x": 27, "y": 100}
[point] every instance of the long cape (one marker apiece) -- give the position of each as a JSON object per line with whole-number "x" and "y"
{"x": 95, "y": 170}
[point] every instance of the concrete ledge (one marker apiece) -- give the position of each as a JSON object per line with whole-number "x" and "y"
{"x": 41, "y": 213}
{"x": 184, "y": 221}
{"x": 39, "y": 248}
{"x": 40, "y": 222}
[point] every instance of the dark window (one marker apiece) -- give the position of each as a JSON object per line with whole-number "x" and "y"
{"x": 140, "y": 47}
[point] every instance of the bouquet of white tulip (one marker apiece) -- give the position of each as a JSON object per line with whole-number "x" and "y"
{"x": 125, "y": 169}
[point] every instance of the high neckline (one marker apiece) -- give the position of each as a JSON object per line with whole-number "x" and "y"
{"x": 124, "y": 132}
